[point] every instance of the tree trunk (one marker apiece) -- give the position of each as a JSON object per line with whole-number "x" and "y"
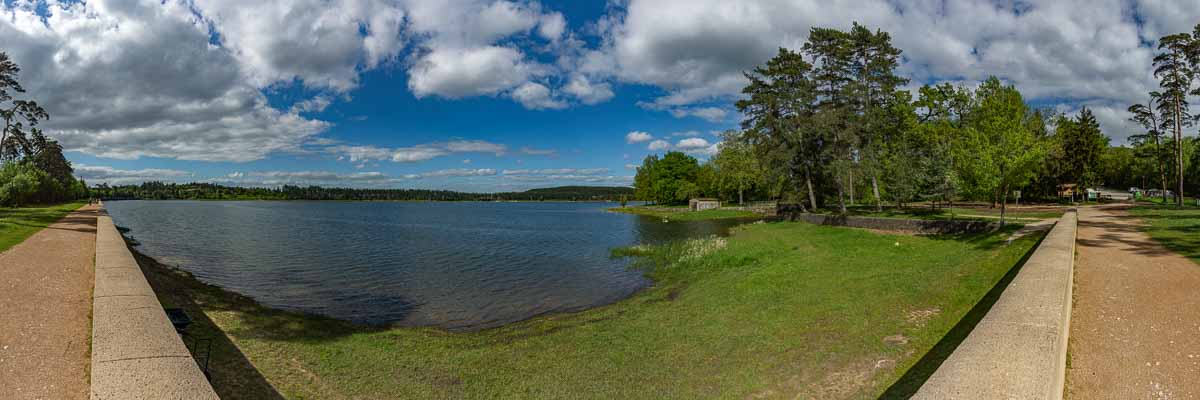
{"x": 875, "y": 189}
{"x": 741, "y": 201}
{"x": 841, "y": 199}
{"x": 1179, "y": 152}
{"x": 851, "y": 186}
{"x": 1004, "y": 199}
{"x": 812, "y": 196}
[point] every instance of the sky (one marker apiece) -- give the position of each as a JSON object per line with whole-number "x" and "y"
{"x": 483, "y": 95}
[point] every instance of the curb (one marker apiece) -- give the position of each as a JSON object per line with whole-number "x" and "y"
{"x": 136, "y": 353}
{"x": 1019, "y": 349}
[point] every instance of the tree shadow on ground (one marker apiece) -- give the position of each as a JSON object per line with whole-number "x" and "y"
{"x": 915, "y": 377}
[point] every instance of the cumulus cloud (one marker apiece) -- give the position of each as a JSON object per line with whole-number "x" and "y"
{"x": 422, "y": 152}
{"x": 317, "y": 42}
{"x": 453, "y": 172}
{"x": 1078, "y": 52}
{"x": 586, "y": 91}
{"x": 536, "y": 96}
{"x": 659, "y": 145}
{"x": 95, "y": 174}
{"x": 697, "y": 145}
{"x": 637, "y": 137}
{"x": 461, "y": 53}
{"x": 557, "y": 171}
{"x": 195, "y": 105}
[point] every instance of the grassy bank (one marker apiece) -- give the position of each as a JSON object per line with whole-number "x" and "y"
{"x": 778, "y": 310}
{"x": 1174, "y": 227}
{"x": 681, "y": 213}
{"x": 18, "y": 224}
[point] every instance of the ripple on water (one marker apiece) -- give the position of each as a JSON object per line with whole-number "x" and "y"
{"x": 453, "y": 265}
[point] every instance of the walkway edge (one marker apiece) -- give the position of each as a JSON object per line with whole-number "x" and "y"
{"x": 1019, "y": 349}
{"x": 136, "y": 353}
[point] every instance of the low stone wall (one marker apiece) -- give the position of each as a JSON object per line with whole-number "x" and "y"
{"x": 1019, "y": 349}
{"x": 895, "y": 224}
{"x": 136, "y": 353}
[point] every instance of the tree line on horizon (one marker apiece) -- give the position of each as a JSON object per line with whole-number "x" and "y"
{"x": 828, "y": 126}
{"x": 209, "y": 191}
{"x": 33, "y": 169}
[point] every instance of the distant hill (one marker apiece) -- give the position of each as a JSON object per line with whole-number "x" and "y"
{"x": 208, "y": 191}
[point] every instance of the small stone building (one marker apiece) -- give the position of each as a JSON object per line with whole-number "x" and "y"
{"x": 703, "y": 204}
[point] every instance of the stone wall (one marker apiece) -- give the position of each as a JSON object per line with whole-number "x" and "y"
{"x": 136, "y": 353}
{"x": 1019, "y": 349}
{"x": 893, "y": 224}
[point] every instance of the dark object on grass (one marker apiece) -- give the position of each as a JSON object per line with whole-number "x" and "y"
{"x": 178, "y": 318}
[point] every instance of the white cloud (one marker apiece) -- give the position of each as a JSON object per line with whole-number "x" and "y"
{"x": 316, "y": 104}
{"x": 315, "y": 41}
{"x": 659, "y": 145}
{"x": 557, "y": 171}
{"x": 697, "y": 145}
{"x": 536, "y": 96}
{"x": 95, "y": 174}
{"x": 686, "y": 134}
{"x": 631, "y": 166}
{"x": 458, "y": 73}
{"x": 539, "y": 152}
{"x": 637, "y": 137}
{"x": 710, "y": 114}
{"x": 454, "y": 172}
{"x": 422, "y": 152}
{"x": 586, "y": 91}
{"x": 197, "y": 106}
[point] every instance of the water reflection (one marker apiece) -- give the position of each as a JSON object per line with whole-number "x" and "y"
{"x": 454, "y": 265}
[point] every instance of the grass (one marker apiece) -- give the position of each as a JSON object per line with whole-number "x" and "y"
{"x": 778, "y": 310}
{"x": 681, "y": 213}
{"x": 1175, "y": 228}
{"x": 18, "y": 224}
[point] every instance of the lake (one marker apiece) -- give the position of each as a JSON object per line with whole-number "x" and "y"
{"x": 460, "y": 266}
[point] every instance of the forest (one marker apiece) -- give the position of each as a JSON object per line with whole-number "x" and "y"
{"x": 34, "y": 170}
{"x": 208, "y": 191}
{"x": 830, "y": 125}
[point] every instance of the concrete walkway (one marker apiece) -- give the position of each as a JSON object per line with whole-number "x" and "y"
{"x": 45, "y": 306}
{"x": 1135, "y": 329}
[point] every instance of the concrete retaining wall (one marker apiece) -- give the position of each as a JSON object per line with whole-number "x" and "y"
{"x": 1019, "y": 349}
{"x": 136, "y": 353}
{"x": 894, "y": 224}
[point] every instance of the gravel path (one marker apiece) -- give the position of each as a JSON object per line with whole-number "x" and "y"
{"x": 45, "y": 307}
{"x": 1135, "y": 328}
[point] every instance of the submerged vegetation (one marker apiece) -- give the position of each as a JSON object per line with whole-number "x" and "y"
{"x": 777, "y": 310}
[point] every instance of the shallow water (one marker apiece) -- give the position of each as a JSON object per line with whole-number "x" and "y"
{"x": 454, "y": 265}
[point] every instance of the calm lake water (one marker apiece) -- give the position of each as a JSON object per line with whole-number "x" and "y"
{"x": 453, "y": 265}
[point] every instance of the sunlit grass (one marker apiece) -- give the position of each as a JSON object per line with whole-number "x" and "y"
{"x": 778, "y": 310}
{"x": 18, "y": 224}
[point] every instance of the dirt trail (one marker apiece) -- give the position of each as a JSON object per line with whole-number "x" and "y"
{"x": 45, "y": 307}
{"x": 1135, "y": 327}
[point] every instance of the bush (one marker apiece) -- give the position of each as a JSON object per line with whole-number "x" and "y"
{"x": 22, "y": 183}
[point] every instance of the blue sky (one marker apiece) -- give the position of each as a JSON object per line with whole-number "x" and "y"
{"x": 487, "y": 95}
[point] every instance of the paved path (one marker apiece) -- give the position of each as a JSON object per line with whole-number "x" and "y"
{"x": 45, "y": 307}
{"x": 1135, "y": 329}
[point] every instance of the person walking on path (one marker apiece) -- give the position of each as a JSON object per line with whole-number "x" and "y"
{"x": 1135, "y": 327}
{"x": 45, "y": 310}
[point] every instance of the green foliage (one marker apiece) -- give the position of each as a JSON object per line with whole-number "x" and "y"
{"x": 34, "y": 170}
{"x": 671, "y": 179}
